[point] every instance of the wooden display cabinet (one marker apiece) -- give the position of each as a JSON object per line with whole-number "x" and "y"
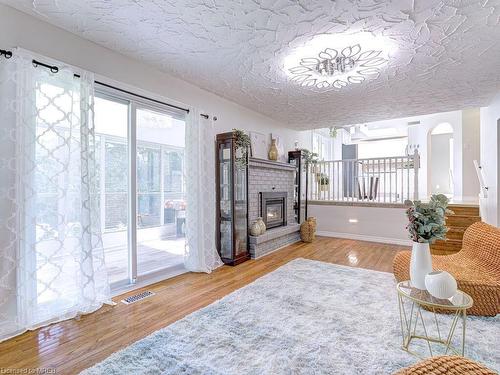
{"x": 232, "y": 202}
{"x": 301, "y": 185}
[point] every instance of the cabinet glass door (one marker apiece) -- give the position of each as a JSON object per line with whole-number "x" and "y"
{"x": 240, "y": 208}
{"x": 226, "y": 209}
{"x": 301, "y": 173}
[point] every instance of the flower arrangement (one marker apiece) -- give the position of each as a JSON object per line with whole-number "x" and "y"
{"x": 242, "y": 146}
{"x": 427, "y": 220}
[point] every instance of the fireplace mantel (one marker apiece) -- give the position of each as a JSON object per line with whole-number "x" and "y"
{"x": 262, "y": 163}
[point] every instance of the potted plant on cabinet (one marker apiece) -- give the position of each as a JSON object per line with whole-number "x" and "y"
{"x": 426, "y": 225}
{"x": 242, "y": 147}
{"x": 310, "y": 159}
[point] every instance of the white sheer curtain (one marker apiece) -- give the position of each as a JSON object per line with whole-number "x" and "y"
{"x": 201, "y": 252}
{"x": 51, "y": 256}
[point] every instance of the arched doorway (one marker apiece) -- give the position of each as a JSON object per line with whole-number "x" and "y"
{"x": 441, "y": 160}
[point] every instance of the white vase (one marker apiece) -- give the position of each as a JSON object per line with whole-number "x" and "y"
{"x": 255, "y": 229}
{"x": 262, "y": 225}
{"x": 441, "y": 284}
{"x": 420, "y": 264}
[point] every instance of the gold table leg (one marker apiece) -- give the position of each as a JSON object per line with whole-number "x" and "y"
{"x": 409, "y": 323}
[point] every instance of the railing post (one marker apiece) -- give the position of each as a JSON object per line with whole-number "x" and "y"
{"x": 416, "y": 166}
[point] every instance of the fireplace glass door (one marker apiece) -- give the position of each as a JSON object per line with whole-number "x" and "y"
{"x": 273, "y": 208}
{"x": 274, "y": 214}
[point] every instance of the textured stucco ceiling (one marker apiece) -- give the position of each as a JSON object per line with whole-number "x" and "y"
{"x": 447, "y": 54}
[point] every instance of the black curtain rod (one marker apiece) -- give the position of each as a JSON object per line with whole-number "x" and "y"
{"x": 138, "y": 95}
{"x": 54, "y": 69}
{"x": 141, "y": 96}
{"x": 7, "y": 54}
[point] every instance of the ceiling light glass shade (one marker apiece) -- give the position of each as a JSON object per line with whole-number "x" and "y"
{"x": 333, "y": 61}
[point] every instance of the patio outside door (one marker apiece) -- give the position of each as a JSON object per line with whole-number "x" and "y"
{"x": 141, "y": 186}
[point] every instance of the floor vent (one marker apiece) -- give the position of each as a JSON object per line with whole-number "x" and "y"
{"x": 137, "y": 297}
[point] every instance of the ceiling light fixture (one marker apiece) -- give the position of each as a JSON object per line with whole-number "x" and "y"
{"x": 334, "y": 61}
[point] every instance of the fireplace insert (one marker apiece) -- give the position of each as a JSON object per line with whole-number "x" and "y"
{"x": 273, "y": 208}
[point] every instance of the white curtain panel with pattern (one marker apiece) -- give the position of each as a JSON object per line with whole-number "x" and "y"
{"x": 51, "y": 256}
{"x": 201, "y": 253}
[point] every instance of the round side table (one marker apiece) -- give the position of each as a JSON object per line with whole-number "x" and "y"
{"x": 411, "y": 316}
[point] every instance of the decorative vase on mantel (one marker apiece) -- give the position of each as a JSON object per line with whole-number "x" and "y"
{"x": 273, "y": 151}
{"x": 420, "y": 264}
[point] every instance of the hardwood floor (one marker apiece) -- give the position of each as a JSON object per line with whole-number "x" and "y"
{"x": 71, "y": 346}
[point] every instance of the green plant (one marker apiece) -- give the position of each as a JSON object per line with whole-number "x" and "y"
{"x": 333, "y": 131}
{"x": 309, "y": 157}
{"x": 242, "y": 145}
{"x": 427, "y": 220}
{"x": 323, "y": 179}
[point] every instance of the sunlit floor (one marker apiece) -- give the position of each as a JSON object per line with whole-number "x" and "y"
{"x": 152, "y": 255}
{"x": 73, "y": 345}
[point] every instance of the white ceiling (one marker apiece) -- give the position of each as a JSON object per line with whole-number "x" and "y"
{"x": 447, "y": 57}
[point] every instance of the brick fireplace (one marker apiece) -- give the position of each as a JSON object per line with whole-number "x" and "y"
{"x": 270, "y": 195}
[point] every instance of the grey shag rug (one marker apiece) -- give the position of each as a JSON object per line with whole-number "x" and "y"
{"x": 306, "y": 317}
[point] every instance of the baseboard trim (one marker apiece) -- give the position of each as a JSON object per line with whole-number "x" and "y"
{"x": 147, "y": 280}
{"x": 362, "y": 237}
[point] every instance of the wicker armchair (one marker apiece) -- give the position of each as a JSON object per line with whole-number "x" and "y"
{"x": 476, "y": 267}
{"x": 446, "y": 365}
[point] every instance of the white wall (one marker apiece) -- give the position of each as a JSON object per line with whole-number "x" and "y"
{"x": 377, "y": 224}
{"x": 420, "y": 135}
{"x": 470, "y": 152}
{"x": 490, "y": 157}
{"x": 440, "y": 162}
{"x": 20, "y": 30}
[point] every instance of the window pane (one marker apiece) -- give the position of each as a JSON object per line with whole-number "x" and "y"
{"x": 172, "y": 173}
{"x": 148, "y": 187}
{"x": 116, "y": 172}
{"x": 382, "y": 148}
{"x": 111, "y": 122}
{"x": 160, "y": 191}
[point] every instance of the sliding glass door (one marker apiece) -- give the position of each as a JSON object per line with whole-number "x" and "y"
{"x": 160, "y": 190}
{"x": 141, "y": 186}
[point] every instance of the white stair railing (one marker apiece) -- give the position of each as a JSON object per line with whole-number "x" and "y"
{"x": 389, "y": 180}
{"x": 480, "y": 177}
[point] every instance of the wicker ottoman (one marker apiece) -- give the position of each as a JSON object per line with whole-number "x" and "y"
{"x": 446, "y": 365}
{"x": 476, "y": 267}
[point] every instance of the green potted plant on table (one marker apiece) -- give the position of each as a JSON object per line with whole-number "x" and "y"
{"x": 426, "y": 225}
